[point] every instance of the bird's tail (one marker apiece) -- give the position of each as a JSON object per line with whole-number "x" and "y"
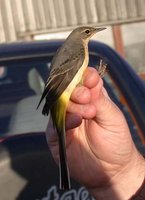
{"x": 46, "y": 109}
{"x": 58, "y": 113}
{"x": 63, "y": 168}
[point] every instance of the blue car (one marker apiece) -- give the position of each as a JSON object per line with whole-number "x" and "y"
{"x": 29, "y": 171}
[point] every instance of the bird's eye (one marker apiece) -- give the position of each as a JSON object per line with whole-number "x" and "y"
{"x": 87, "y": 31}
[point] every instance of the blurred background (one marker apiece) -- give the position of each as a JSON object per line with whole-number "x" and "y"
{"x": 51, "y": 19}
{"x": 27, "y": 28}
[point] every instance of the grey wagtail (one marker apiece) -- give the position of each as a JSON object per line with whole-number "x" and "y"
{"x": 67, "y": 69}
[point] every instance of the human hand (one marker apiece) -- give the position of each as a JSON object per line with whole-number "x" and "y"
{"x": 100, "y": 150}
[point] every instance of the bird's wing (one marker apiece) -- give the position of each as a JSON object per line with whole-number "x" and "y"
{"x": 61, "y": 74}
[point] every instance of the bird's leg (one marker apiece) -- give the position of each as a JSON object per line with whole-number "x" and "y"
{"x": 102, "y": 68}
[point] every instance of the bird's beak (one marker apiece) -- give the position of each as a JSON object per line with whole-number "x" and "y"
{"x": 100, "y": 29}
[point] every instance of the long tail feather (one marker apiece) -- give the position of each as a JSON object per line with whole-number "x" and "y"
{"x": 58, "y": 113}
{"x": 63, "y": 168}
{"x": 46, "y": 109}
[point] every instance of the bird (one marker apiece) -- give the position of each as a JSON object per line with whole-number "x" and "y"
{"x": 66, "y": 71}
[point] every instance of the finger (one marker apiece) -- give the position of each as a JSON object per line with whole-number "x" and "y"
{"x": 73, "y": 120}
{"x": 81, "y": 95}
{"x": 86, "y": 111}
{"x": 96, "y": 92}
{"x": 91, "y": 77}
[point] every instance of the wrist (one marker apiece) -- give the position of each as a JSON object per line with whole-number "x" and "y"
{"x": 125, "y": 184}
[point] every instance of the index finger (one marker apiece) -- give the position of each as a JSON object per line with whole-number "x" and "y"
{"x": 91, "y": 78}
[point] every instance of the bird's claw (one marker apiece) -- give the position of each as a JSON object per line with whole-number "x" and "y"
{"x": 102, "y": 69}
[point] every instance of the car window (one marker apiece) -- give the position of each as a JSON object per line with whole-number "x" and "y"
{"x": 18, "y": 83}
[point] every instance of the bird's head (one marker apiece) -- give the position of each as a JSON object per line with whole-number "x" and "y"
{"x": 85, "y": 32}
